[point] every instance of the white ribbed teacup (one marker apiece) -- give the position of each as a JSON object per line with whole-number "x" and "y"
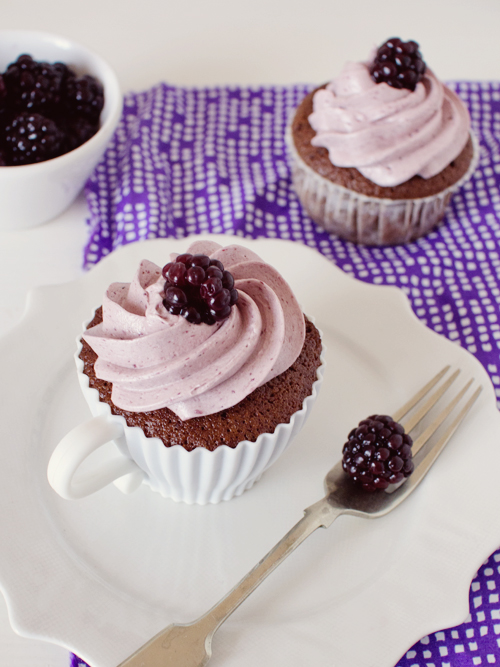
{"x": 196, "y": 477}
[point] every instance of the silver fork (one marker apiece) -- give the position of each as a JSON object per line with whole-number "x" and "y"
{"x": 190, "y": 645}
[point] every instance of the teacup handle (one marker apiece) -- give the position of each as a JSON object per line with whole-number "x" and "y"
{"x": 75, "y": 447}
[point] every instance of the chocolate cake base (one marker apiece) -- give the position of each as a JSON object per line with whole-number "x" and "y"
{"x": 272, "y": 404}
{"x": 417, "y": 187}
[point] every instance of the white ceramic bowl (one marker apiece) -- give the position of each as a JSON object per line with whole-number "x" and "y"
{"x": 35, "y": 193}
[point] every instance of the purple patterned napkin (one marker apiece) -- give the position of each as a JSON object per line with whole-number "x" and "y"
{"x": 187, "y": 161}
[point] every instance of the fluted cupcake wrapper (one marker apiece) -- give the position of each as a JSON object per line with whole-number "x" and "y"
{"x": 369, "y": 220}
{"x": 199, "y": 476}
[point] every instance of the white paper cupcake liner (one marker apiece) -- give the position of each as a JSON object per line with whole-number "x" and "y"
{"x": 200, "y": 476}
{"x": 369, "y": 220}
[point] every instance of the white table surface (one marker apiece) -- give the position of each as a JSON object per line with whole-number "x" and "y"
{"x": 209, "y": 42}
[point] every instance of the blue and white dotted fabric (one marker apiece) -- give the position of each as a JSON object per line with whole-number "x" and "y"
{"x": 189, "y": 161}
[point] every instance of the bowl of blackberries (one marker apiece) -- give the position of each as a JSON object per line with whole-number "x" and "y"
{"x": 60, "y": 104}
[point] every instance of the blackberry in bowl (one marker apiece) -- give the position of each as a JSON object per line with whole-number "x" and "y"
{"x": 43, "y": 110}
{"x": 60, "y": 104}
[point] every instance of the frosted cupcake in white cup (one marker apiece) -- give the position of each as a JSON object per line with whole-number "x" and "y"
{"x": 201, "y": 372}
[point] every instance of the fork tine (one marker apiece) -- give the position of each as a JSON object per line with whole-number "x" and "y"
{"x": 433, "y": 426}
{"x": 412, "y": 421}
{"x": 399, "y": 414}
{"x": 438, "y": 447}
{"x": 423, "y": 466}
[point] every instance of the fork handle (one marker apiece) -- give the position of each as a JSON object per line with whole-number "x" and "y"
{"x": 190, "y": 645}
{"x": 319, "y": 515}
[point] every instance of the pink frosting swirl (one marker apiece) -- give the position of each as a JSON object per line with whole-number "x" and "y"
{"x": 389, "y": 134}
{"x": 155, "y": 359}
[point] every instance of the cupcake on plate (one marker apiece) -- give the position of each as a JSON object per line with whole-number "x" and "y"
{"x": 378, "y": 152}
{"x": 210, "y": 362}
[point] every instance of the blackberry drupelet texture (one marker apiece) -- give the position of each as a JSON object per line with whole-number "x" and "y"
{"x": 398, "y": 63}
{"x": 84, "y": 98}
{"x": 199, "y": 289}
{"x": 76, "y": 132}
{"x": 33, "y": 86}
{"x": 30, "y": 137}
{"x": 378, "y": 453}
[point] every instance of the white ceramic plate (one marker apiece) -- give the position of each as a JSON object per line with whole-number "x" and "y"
{"x": 102, "y": 575}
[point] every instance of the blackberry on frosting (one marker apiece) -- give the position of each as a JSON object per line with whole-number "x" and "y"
{"x": 199, "y": 289}
{"x": 398, "y": 63}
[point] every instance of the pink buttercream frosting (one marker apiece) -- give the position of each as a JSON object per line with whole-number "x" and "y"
{"x": 155, "y": 359}
{"x": 389, "y": 134}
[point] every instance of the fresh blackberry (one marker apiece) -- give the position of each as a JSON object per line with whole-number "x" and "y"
{"x": 30, "y": 138}
{"x": 3, "y": 92}
{"x": 84, "y": 97}
{"x": 398, "y": 63}
{"x": 3, "y": 103}
{"x": 45, "y": 110}
{"x": 77, "y": 131}
{"x": 34, "y": 86}
{"x": 378, "y": 453}
{"x": 199, "y": 289}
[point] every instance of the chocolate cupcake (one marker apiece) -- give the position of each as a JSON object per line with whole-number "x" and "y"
{"x": 210, "y": 402}
{"x": 378, "y": 152}
{"x": 260, "y": 412}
